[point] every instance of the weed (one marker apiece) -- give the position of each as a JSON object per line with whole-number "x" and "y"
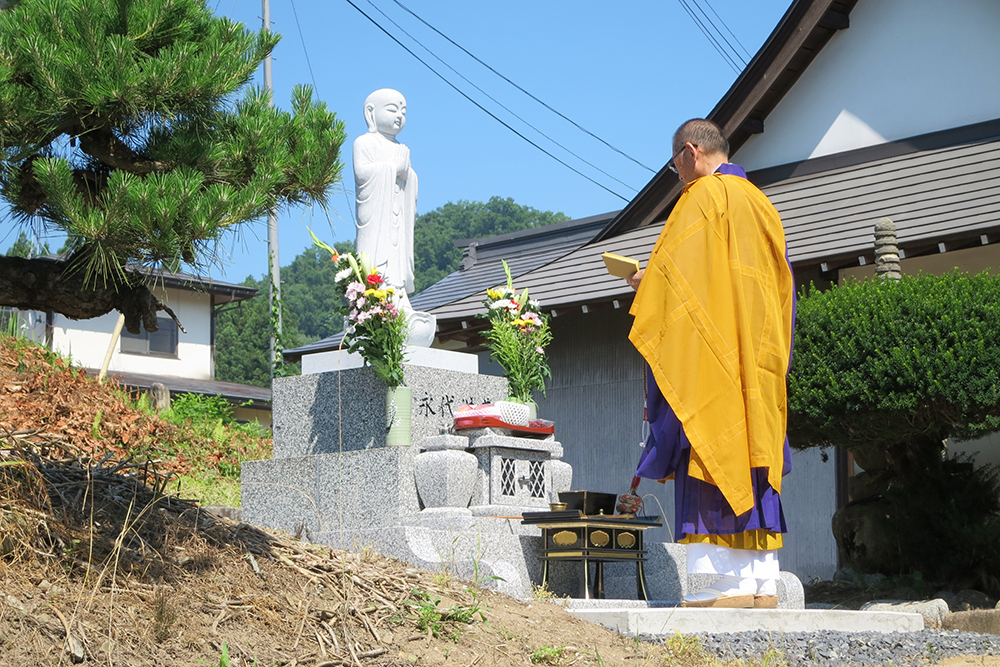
{"x": 507, "y": 635}
{"x": 432, "y": 619}
{"x": 95, "y": 428}
{"x": 686, "y": 650}
{"x": 478, "y": 579}
{"x": 543, "y": 594}
{"x": 771, "y": 658}
{"x": 164, "y": 615}
{"x": 442, "y": 578}
{"x": 547, "y": 655}
{"x": 209, "y": 420}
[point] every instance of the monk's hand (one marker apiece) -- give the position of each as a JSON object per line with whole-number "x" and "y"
{"x": 636, "y": 278}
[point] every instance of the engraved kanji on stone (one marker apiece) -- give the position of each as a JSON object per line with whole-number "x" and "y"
{"x": 446, "y": 403}
{"x": 425, "y": 408}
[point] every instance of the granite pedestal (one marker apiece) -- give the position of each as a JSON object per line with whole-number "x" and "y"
{"x": 448, "y": 502}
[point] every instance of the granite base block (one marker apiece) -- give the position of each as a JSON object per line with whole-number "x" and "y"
{"x": 312, "y": 494}
{"x": 464, "y": 520}
{"x": 344, "y": 410}
{"x": 501, "y": 561}
{"x": 281, "y": 494}
{"x": 367, "y": 489}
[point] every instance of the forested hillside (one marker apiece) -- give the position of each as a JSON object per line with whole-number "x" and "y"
{"x": 310, "y": 311}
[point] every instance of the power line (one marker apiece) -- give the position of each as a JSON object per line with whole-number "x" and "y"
{"x": 496, "y": 101}
{"x": 481, "y": 107}
{"x": 570, "y": 120}
{"x": 718, "y": 47}
{"x": 732, "y": 49}
{"x": 745, "y": 50}
{"x": 302, "y": 39}
{"x": 304, "y": 51}
{"x": 711, "y": 38}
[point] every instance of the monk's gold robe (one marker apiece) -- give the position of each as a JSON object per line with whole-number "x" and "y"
{"x": 713, "y": 318}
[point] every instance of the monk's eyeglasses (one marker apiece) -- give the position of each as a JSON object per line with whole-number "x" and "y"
{"x": 673, "y": 167}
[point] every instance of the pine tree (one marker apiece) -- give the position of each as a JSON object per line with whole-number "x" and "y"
{"x": 129, "y": 125}
{"x": 25, "y": 247}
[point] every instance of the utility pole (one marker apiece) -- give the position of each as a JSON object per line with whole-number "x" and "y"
{"x": 274, "y": 266}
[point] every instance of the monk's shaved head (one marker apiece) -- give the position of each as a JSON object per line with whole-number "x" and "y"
{"x": 704, "y": 134}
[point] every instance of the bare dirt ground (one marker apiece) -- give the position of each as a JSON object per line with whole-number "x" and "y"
{"x": 100, "y": 563}
{"x": 971, "y": 661}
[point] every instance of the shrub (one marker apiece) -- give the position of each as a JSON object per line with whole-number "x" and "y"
{"x": 877, "y": 364}
{"x": 890, "y": 370}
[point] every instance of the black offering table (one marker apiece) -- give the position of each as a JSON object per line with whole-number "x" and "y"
{"x": 571, "y": 535}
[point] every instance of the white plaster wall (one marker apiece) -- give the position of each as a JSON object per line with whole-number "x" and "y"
{"x": 809, "y": 499}
{"x": 903, "y": 68}
{"x": 86, "y": 341}
{"x": 985, "y": 451}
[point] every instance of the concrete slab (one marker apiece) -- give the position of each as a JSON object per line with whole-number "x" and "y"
{"x": 666, "y": 621}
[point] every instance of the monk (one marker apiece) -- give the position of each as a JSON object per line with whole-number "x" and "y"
{"x": 714, "y": 310}
{"x": 386, "y": 190}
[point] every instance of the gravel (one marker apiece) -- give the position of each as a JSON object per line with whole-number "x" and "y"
{"x": 828, "y": 648}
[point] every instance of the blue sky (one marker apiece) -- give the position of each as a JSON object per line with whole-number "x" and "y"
{"x": 629, "y": 72}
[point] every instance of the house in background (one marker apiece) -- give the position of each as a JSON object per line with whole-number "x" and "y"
{"x": 184, "y": 362}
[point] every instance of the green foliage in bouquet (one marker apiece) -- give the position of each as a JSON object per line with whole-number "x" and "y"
{"x": 377, "y": 327}
{"x": 517, "y": 338}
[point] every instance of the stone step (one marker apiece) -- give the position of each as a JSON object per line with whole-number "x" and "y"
{"x": 635, "y": 618}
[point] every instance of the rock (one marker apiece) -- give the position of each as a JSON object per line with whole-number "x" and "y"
{"x": 872, "y": 580}
{"x": 16, "y": 604}
{"x": 948, "y": 597}
{"x": 846, "y": 575}
{"x": 984, "y": 621}
{"x": 77, "y": 653}
{"x": 866, "y": 534}
{"x": 224, "y": 511}
{"x": 933, "y": 611}
{"x": 865, "y": 485}
{"x": 975, "y": 599}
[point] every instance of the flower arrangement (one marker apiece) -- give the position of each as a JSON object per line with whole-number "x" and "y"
{"x": 517, "y": 337}
{"x": 377, "y": 327}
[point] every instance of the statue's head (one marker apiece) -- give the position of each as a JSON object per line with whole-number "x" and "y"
{"x": 385, "y": 111}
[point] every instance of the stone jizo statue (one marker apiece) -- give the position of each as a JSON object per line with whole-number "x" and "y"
{"x": 386, "y": 187}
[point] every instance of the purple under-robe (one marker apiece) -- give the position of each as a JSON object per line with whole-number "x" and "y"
{"x": 700, "y": 507}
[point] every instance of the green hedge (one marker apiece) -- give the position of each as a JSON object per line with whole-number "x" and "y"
{"x": 878, "y": 364}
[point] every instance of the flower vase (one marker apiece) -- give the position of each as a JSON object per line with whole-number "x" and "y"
{"x": 532, "y": 410}
{"x": 397, "y": 416}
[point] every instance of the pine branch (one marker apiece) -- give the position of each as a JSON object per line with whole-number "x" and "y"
{"x": 100, "y": 142}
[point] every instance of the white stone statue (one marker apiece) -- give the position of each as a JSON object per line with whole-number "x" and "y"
{"x": 386, "y": 188}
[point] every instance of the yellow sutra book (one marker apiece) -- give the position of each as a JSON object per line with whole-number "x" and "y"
{"x": 623, "y": 267}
